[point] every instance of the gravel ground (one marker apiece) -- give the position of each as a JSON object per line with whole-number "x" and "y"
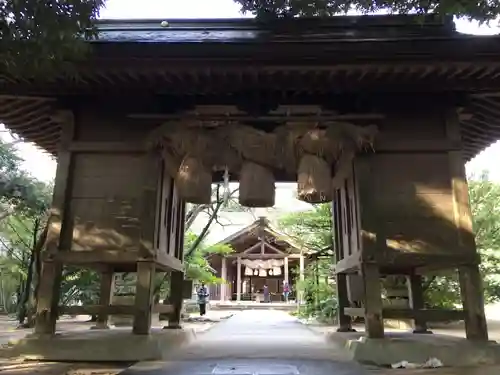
{"x": 9, "y": 332}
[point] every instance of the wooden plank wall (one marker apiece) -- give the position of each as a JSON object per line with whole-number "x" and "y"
{"x": 114, "y": 192}
{"x": 406, "y": 195}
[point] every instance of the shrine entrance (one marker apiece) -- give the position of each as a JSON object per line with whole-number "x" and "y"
{"x": 146, "y": 127}
{"x": 262, "y": 257}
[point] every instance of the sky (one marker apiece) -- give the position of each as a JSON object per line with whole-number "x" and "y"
{"x": 43, "y": 166}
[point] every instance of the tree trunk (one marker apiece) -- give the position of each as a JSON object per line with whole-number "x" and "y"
{"x": 37, "y": 268}
{"x": 24, "y": 306}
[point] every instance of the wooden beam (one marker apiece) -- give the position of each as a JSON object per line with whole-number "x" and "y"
{"x": 98, "y": 310}
{"x": 107, "y": 147}
{"x": 94, "y": 256}
{"x": 21, "y": 97}
{"x": 110, "y": 309}
{"x": 417, "y": 145}
{"x": 349, "y": 264}
{"x": 223, "y": 118}
{"x": 429, "y": 315}
{"x": 251, "y": 248}
{"x": 163, "y": 309}
{"x": 261, "y": 244}
{"x": 168, "y": 262}
{"x": 263, "y": 256}
{"x": 272, "y": 247}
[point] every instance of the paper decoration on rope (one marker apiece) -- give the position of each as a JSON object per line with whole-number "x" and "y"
{"x": 262, "y": 264}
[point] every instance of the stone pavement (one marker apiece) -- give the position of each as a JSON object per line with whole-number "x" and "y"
{"x": 255, "y": 342}
{"x": 8, "y": 331}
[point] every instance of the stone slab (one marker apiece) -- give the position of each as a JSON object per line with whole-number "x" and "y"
{"x": 113, "y": 345}
{"x": 402, "y": 346}
{"x": 249, "y": 305}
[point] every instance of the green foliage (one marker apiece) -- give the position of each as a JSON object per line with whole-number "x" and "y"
{"x": 319, "y": 292}
{"x": 40, "y": 36}
{"x": 197, "y": 263}
{"x": 79, "y": 285}
{"x": 18, "y": 190}
{"x": 18, "y": 234}
{"x": 478, "y": 10}
{"x": 312, "y": 229}
{"x": 485, "y": 203}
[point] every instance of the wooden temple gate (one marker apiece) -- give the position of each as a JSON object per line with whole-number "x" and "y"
{"x": 113, "y": 211}
{"x": 145, "y": 127}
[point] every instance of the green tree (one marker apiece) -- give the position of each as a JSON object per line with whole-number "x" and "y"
{"x": 39, "y": 36}
{"x": 477, "y": 10}
{"x": 485, "y": 202}
{"x": 20, "y": 240}
{"x": 197, "y": 262}
{"x": 313, "y": 230}
{"x": 19, "y": 192}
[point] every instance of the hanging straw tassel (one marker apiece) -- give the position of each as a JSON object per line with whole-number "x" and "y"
{"x": 314, "y": 182}
{"x": 194, "y": 181}
{"x": 256, "y": 186}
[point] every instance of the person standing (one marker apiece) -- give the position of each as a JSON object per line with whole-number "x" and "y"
{"x": 286, "y": 291}
{"x": 266, "y": 294}
{"x": 202, "y": 299}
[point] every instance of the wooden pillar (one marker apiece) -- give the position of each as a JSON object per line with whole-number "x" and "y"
{"x": 473, "y": 303}
{"x": 105, "y": 294}
{"x": 176, "y": 289}
{"x": 374, "y": 324}
{"x": 416, "y": 295}
{"x": 177, "y": 277}
{"x": 144, "y": 298}
{"x": 286, "y": 271}
{"x": 469, "y": 276}
{"x": 301, "y": 277}
{"x": 60, "y": 232}
{"x": 223, "y": 286}
{"x": 238, "y": 279}
{"x": 345, "y": 321}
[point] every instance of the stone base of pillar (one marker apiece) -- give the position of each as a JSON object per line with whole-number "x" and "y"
{"x": 101, "y": 346}
{"x": 345, "y": 329}
{"x": 100, "y": 326}
{"x": 128, "y": 320}
{"x": 173, "y": 326}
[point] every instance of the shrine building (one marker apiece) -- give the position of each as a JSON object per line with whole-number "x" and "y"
{"x": 262, "y": 256}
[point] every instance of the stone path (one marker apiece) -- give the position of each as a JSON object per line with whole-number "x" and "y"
{"x": 255, "y": 342}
